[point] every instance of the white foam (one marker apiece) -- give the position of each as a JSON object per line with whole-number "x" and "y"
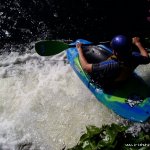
{"x": 42, "y": 101}
{"x": 144, "y": 72}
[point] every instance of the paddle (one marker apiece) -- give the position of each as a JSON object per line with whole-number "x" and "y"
{"x": 50, "y": 47}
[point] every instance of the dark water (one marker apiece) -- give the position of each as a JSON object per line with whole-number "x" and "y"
{"x": 27, "y": 20}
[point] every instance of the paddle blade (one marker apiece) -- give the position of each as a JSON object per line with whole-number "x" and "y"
{"x": 48, "y": 48}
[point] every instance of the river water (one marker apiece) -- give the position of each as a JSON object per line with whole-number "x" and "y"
{"x": 43, "y": 104}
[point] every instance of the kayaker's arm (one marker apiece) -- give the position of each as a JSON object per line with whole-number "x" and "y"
{"x": 136, "y": 41}
{"x": 85, "y": 65}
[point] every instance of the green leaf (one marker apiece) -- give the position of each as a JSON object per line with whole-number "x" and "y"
{"x": 111, "y": 137}
{"x": 92, "y": 130}
{"x": 84, "y": 137}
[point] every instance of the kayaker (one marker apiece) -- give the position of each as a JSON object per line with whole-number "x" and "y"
{"x": 120, "y": 65}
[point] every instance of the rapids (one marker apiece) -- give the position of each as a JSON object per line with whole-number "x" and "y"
{"x": 43, "y": 104}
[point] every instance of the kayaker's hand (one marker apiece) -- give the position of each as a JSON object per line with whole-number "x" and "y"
{"x": 79, "y": 46}
{"x": 136, "y": 40}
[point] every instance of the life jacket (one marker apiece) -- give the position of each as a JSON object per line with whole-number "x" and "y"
{"x": 95, "y": 54}
{"x": 125, "y": 69}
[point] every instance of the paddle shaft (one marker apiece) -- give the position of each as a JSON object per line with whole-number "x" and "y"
{"x": 49, "y": 48}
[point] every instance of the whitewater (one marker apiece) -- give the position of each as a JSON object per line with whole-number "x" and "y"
{"x": 44, "y": 105}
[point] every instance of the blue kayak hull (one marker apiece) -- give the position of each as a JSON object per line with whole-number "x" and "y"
{"x": 131, "y": 101}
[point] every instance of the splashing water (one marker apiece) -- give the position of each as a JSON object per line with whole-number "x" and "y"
{"x": 43, "y": 104}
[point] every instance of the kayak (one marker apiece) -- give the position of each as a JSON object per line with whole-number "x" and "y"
{"x": 131, "y": 101}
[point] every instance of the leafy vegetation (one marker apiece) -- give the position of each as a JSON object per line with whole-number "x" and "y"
{"x": 113, "y": 137}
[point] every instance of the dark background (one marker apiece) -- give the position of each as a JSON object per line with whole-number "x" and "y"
{"x": 96, "y": 20}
